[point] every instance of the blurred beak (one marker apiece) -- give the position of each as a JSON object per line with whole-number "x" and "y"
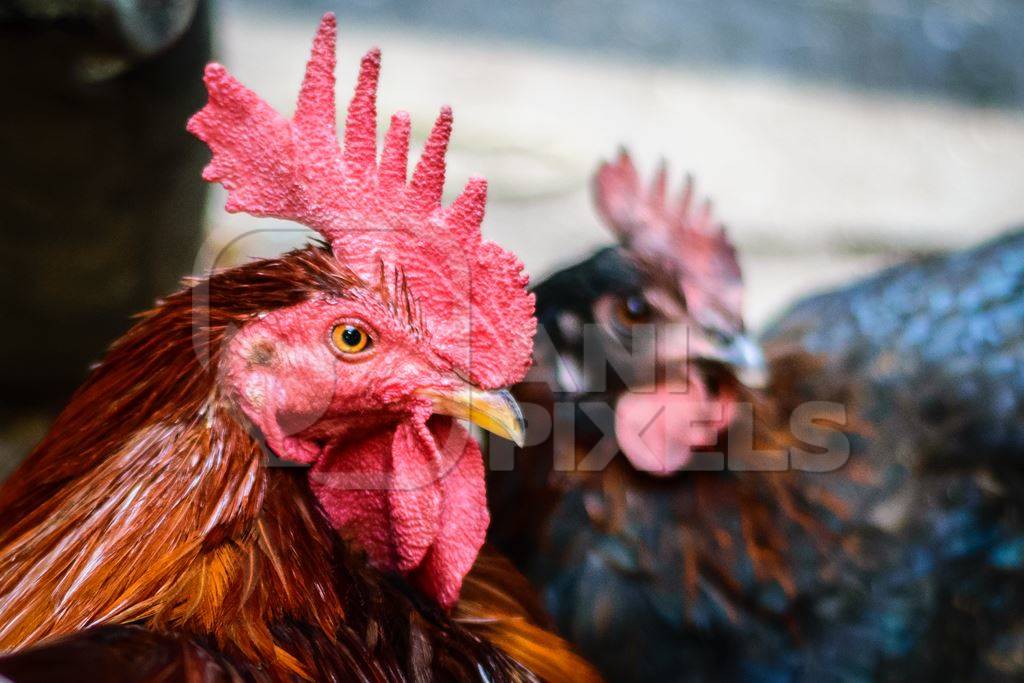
{"x": 494, "y": 411}
{"x": 739, "y": 354}
{"x": 746, "y": 360}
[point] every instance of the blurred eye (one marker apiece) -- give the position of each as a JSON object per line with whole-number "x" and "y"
{"x": 633, "y": 310}
{"x": 350, "y": 338}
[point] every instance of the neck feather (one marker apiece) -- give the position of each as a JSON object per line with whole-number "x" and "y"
{"x": 149, "y": 500}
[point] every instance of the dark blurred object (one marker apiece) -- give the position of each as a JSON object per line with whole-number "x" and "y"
{"x": 100, "y": 188}
{"x": 136, "y": 27}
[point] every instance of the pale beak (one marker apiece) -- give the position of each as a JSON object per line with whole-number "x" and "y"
{"x": 495, "y": 411}
{"x": 746, "y": 359}
{"x": 742, "y": 356}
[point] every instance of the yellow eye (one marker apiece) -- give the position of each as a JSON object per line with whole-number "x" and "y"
{"x": 349, "y": 338}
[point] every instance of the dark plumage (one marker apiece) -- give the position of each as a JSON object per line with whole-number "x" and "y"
{"x": 653, "y": 578}
{"x": 904, "y": 563}
{"x": 940, "y": 337}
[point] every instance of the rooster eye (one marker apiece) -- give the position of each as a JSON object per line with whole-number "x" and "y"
{"x": 634, "y": 310}
{"x": 349, "y": 338}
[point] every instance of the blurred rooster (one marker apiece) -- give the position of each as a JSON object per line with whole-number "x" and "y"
{"x": 145, "y": 539}
{"x": 893, "y": 553}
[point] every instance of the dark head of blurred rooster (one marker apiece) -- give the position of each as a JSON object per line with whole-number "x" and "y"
{"x": 642, "y": 344}
{"x": 145, "y": 537}
{"x": 663, "y": 310}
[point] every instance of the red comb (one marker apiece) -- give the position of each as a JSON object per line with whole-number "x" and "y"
{"x": 673, "y": 234}
{"x": 470, "y": 292}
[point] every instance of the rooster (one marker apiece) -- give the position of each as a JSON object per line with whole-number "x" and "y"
{"x": 691, "y": 520}
{"x": 146, "y": 539}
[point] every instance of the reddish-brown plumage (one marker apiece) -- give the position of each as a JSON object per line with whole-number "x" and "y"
{"x": 150, "y": 503}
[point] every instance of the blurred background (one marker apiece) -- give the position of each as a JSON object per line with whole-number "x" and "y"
{"x": 835, "y": 137}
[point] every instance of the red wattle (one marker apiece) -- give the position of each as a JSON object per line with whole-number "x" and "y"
{"x": 658, "y": 429}
{"x": 413, "y": 497}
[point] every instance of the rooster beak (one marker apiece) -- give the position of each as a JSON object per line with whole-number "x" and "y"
{"x": 745, "y": 357}
{"x": 495, "y": 411}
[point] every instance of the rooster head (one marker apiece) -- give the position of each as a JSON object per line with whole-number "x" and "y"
{"x": 666, "y": 304}
{"x": 421, "y": 323}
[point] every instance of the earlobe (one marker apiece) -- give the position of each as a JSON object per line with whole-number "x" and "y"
{"x": 257, "y": 401}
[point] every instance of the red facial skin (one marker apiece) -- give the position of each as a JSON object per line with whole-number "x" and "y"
{"x": 405, "y": 486}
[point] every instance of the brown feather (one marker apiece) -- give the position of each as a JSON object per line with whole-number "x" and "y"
{"x": 149, "y": 503}
{"x": 498, "y": 603}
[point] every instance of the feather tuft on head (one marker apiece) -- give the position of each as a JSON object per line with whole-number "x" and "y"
{"x": 471, "y": 291}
